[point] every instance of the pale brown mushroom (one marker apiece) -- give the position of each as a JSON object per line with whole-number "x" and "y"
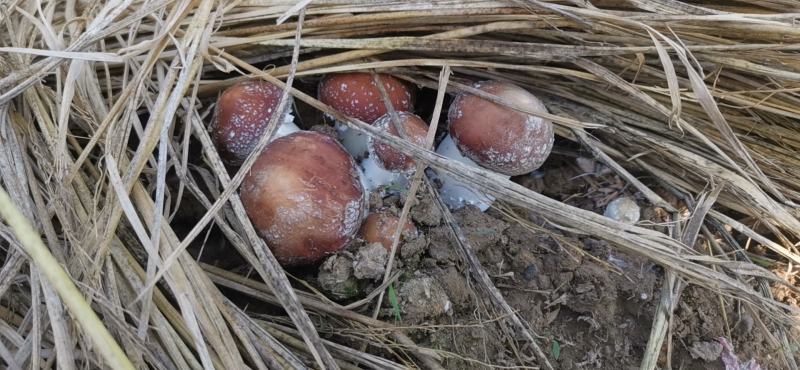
{"x": 387, "y": 157}
{"x": 357, "y": 95}
{"x": 497, "y": 137}
{"x": 304, "y": 197}
{"x": 241, "y": 117}
{"x": 380, "y": 226}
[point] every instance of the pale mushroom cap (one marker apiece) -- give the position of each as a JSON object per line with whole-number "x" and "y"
{"x": 241, "y": 117}
{"x": 387, "y": 157}
{"x": 380, "y": 226}
{"x": 497, "y": 137}
{"x": 304, "y": 197}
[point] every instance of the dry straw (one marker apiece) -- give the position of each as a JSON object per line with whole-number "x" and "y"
{"x": 103, "y": 103}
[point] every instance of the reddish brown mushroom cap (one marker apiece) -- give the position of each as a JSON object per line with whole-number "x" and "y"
{"x": 497, "y": 137}
{"x": 356, "y": 94}
{"x": 387, "y": 157}
{"x": 304, "y": 197}
{"x": 380, "y": 226}
{"x": 241, "y": 117}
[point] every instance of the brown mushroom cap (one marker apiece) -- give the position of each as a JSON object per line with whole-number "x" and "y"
{"x": 497, "y": 137}
{"x": 387, "y": 157}
{"x": 356, "y": 94}
{"x": 304, "y": 197}
{"x": 380, "y": 226}
{"x": 241, "y": 117}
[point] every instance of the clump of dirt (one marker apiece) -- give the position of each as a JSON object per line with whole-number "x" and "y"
{"x": 592, "y": 295}
{"x": 440, "y": 249}
{"x": 336, "y": 277}
{"x": 375, "y": 200}
{"x": 481, "y": 229}
{"x": 424, "y": 211}
{"x": 370, "y": 261}
{"x": 706, "y": 351}
{"x": 422, "y": 297}
{"x": 555, "y": 182}
{"x": 455, "y": 283}
{"x": 412, "y": 248}
{"x": 596, "y": 315}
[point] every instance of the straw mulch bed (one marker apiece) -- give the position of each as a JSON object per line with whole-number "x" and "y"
{"x": 110, "y": 179}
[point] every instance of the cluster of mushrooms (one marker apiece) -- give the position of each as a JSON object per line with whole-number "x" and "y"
{"x": 306, "y": 194}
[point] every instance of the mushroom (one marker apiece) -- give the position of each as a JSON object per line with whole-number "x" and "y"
{"x": 385, "y": 165}
{"x": 380, "y": 226}
{"x": 304, "y": 197}
{"x": 495, "y": 137}
{"x": 356, "y": 95}
{"x": 241, "y": 117}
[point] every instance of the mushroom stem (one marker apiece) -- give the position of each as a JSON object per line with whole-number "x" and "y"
{"x": 354, "y": 141}
{"x": 286, "y": 127}
{"x": 375, "y": 176}
{"x": 454, "y": 193}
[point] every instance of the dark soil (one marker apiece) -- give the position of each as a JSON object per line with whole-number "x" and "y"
{"x": 593, "y": 305}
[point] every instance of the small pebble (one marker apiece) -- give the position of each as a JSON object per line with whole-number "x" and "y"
{"x": 623, "y": 209}
{"x": 587, "y": 165}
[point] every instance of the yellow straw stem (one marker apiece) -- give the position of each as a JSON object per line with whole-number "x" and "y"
{"x": 40, "y": 256}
